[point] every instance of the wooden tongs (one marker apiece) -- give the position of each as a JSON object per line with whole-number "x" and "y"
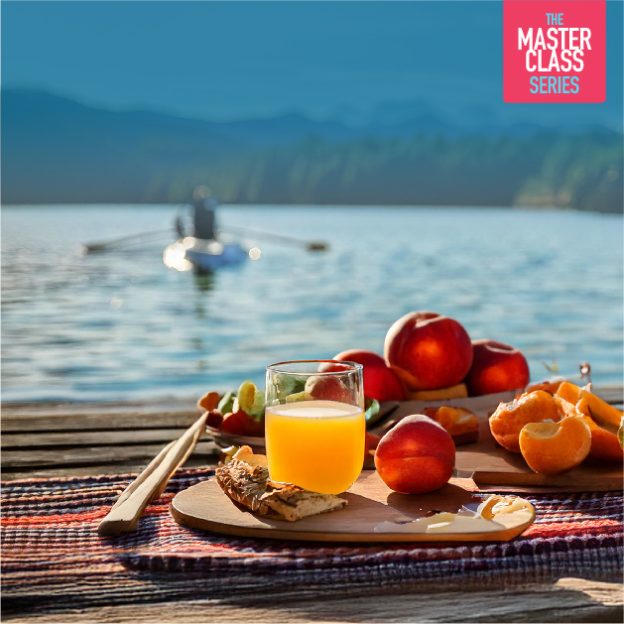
{"x": 151, "y": 483}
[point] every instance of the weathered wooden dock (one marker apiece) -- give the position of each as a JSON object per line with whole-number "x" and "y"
{"x": 40, "y": 440}
{"x": 52, "y": 439}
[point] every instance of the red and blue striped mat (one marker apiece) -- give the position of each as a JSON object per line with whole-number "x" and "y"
{"x": 53, "y": 558}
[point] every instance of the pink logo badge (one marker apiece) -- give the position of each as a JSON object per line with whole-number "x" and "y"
{"x": 554, "y": 51}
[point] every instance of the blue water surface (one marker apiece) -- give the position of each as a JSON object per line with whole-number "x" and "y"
{"x": 121, "y": 325}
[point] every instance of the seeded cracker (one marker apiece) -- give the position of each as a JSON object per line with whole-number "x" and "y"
{"x": 245, "y": 479}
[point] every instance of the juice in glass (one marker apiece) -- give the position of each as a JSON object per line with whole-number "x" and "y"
{"x": 317, "y": 445}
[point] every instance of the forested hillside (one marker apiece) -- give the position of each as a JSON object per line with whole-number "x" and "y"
{"x": 56, "y": 150}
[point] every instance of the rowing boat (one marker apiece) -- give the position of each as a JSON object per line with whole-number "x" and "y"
{"x": 205, "y": 255}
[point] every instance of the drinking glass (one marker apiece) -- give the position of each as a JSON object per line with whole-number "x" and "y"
{"x": 315, "y": 426}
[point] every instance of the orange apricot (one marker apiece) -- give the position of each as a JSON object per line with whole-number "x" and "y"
{"x": 554, "y": 447}
{"x": 603, "y": 413}
{"x": 547, "y": 386}
{"x": 461, "y": 423}
{"x": 565, "y": 407}
{"x": 569, "y": 392}
{"x": 509, "y": 418}
{"x": 605, "y": 445}
{"x": 209, "y": 401}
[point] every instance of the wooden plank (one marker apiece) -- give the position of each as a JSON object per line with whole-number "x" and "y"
{"x": 123, "y": 467}
{"x": 81, "y": 407}
{"x": 96, "y": 420}
{"x": 39, "y": 439}
{"x": 166, "y": 412}
{"x": 567, "y": 600}
{"x": 162, "y": 413}
{"x": 89, "y": 455}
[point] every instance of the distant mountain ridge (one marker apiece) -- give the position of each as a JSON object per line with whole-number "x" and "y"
{"x": 58, "y": 150}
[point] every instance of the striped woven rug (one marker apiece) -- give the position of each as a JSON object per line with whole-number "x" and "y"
{"x": 53, "y": 559}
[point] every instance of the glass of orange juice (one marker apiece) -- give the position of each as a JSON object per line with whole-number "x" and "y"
{"x": 315, "y": 424}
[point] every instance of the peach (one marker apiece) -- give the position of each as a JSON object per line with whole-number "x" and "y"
{"x": 554, "y": 447}
{"x": 380, "y": 381}
{"x": 496, "y": 367}
{"x": 415, "y": 456}
{"x": 327, "y": 387}
{"x": 428, "y": 351}
{"x": 461, "y": 423}
{"x": 509, "y": 418}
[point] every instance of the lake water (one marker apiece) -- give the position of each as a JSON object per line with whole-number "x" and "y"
{"x": 122, "y": 325}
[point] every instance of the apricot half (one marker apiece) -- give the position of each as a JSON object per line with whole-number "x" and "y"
{"x": 461, "y": 423}
{"x": 568, "y": 392}
{"x": 509, "y": 418}
{"x": 547, "y": 386}
{"x": 554, "y": 447}
{"x": 601, "y": 418}
{"x": 605, "y": 445}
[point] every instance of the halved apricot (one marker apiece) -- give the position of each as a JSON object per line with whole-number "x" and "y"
{"x": 601, "y": 418}
{"x": 604, "y": 414}
{"x": 509, "y": 418}
{"x": 554, "y": 447}
{"x": 569, "y": 392}
{"x": 461, "y": 423}
{"x": 565, "y": 407}
{"x": 547, "y": 386}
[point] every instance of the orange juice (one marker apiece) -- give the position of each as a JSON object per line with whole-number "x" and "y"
{"x": 317, "y": 445}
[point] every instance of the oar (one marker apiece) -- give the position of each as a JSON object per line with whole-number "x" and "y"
{"x": 111, "y": 244}
{"x": 282, "y": 238}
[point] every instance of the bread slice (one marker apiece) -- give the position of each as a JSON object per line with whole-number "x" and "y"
{"x": 245, "y": 479}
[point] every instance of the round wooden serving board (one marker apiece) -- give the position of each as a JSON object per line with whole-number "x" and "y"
{"x": 205, "y": 506}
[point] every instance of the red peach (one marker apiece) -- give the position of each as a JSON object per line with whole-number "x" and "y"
{"x": 416, "y": 456}
{"x": 496, "y": 367}
{"x": 380, "y": 381}
{"x": 428, "y": 351}
{"x": 328, "y": 388}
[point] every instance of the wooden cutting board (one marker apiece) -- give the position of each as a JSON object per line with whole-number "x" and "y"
{"x": 374, "y": 514}
{"x": 490, "y": 465}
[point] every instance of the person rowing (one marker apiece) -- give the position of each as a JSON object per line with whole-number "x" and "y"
{"x": 204, "y": 218}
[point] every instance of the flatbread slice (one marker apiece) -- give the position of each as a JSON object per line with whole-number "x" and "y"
{"x": 245, "y": 479}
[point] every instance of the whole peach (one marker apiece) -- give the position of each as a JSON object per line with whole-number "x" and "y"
{"x": 416, "y": 456}
{"x": 327, "y": 387}
{"x": 496, "y": 367}
{"x": 380, "y": 381}
{"x": 428, "y": 351}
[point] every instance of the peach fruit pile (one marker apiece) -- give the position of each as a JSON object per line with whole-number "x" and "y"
{"x": 431, "y": 357}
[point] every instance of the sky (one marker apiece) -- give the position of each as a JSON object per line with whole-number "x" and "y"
{"x": 230, "y": 60}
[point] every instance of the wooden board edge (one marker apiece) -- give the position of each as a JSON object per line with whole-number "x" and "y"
{"x": 529, "y": 480}
{"x": 202, "y": 524}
